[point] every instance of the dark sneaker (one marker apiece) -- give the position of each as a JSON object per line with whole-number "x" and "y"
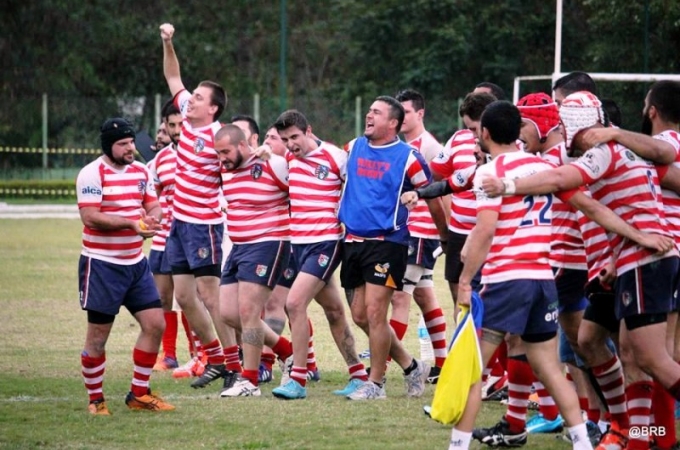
{"x": 211, "y": 373}
{"x": 264, "y": 375}
{"x": 313, "y": 375}
{"x": 497, "y": 396}
{"x": 494, "y": 388}
{"x": 499, "y": 435}
{"x": 433, "y": 377}
{"x": 229, "y": 379}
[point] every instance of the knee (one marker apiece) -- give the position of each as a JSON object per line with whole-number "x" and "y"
{"x": 295, "y": 308}
{"x": 334, "y": 315}
{"x": 248, "y": 312}
{"x": 376, "y": 315}
{"x": 154, "y": 326}
{"x": 360, "y": 319}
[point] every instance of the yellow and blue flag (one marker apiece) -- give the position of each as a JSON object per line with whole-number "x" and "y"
{"x": 463, "y": 365}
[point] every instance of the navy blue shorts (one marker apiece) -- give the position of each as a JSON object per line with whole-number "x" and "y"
{"x": 647, "y": 289}
{"x": 260, "y": 263}
{"x": 289, "y": 273}
{"x": 319, "y": 259}
{"x": 158, "y": 263}
{"x": 192, "y": 245}
{"x": 571, "y": 285}
{"x": 105, "y": 287}
{"x": 521, "y": 307}
{"x": 420, "y": 252}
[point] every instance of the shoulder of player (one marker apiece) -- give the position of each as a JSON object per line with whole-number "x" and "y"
{"x": 276, "y": 161}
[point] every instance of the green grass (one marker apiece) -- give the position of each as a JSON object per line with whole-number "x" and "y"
{"x": 43, "y": 401}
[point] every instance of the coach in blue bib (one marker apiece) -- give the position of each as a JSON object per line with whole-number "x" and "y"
{"x": 380, "y": 167}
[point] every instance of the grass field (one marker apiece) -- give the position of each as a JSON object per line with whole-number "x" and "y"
{"x": 43, "y": 401}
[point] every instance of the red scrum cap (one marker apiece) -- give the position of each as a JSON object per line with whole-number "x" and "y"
{"x": 541, "y": 110}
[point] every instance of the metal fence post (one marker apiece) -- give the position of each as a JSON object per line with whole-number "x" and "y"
{"x": 357, "y": 116}
{"x": 44, "y": 135}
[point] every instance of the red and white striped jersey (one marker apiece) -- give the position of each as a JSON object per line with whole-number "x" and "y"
{"x": 257, "y": 201}
{"x": 597, "y": 246}
{"x": 118, "y": 193}
{"x": 162, "y": 169}
{"x": 420, "y": 223}
{"x": 520, "y": 248}
{"x": 671, "y": 200}
{"x": 457, "y": 163}
{"x": 315, "y": 188}
{"x": 566, "y": 249}
{"x": 629, "y": 186}
{"x": 198, "y": 180}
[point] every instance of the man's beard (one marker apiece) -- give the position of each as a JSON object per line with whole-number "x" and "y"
{"x": 122, "y": 161}
{"x": 236, "y": 164}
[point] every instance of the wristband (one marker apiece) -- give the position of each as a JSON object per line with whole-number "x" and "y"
{"x": 508, "y": 186}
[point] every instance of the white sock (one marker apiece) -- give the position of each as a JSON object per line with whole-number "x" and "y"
{"x": 579, "y": 437}
{"x": 459, "y": 440}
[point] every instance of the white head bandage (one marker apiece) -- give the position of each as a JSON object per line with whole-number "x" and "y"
{"x": 580, "y": 110}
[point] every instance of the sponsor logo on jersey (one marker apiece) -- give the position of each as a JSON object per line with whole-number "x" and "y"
{"x": 90, "y": 190}
{"x": 256, "y": 171}
{"x": 141, "y": 186}
{"x": 588, "y": 160}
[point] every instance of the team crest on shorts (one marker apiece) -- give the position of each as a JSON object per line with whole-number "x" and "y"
{"x": 626, "y": 298}
{"x": 323, "y": 260}
{"x": 288, "y": 274}
{"x": 203, "y": 252}
{"x": 321, "y": 172}
{"x": 261, "y": 270}
{"x": 199, "y": 145}
{"x": 256, "y": 171}
{"x": 141, "y": 186}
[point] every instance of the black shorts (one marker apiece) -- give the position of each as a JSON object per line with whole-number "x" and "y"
{"x": 453, "y": 265}
{"x": 600, "y": 309}
{"x": 375, "y": 262}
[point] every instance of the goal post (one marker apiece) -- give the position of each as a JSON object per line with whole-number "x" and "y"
{"x": 625, "y": 77}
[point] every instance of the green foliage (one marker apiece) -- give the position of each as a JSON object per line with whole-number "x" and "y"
{"x": 94, "y": 58}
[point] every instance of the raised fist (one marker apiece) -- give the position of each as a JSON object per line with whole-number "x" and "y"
{"x": 167, "y": 30}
